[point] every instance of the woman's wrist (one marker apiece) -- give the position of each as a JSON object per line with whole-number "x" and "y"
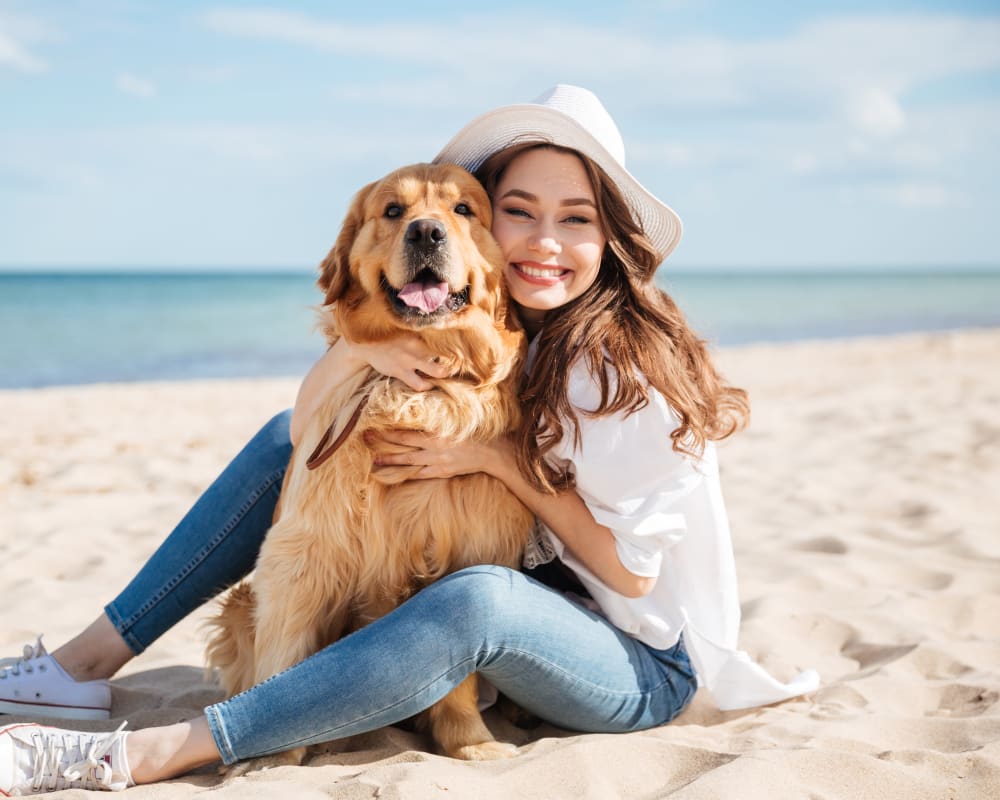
{"x": 499, "y": 462}
{"x": 352, "y": 354}
{"x": 339, "y": 363}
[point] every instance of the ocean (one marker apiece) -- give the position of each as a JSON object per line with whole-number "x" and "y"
{"x": 74, "y": 328}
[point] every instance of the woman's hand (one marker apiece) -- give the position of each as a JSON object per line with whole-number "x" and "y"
{"x": 438, "y": 457}
{"x": 564, "y": 513}
{"x": 404, "y": 357}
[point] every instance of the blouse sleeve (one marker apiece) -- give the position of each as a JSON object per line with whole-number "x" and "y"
{"x": 630, "y": 477}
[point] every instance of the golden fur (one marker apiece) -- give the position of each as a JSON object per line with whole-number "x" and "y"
{"x": 352, "y": 541}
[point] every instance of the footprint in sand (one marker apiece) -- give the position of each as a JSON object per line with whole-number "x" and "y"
{"x": 822, "y": 544}
{"x": 872, "y": 657}
{"x": 960, "y": 700}
{"x": 837, "y": 701}
{"x": 915, "y": 511}
{"x": 935, "y": 665}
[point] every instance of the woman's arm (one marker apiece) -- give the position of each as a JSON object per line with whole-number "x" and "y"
{"x": 565, "y": 514}
{"x": 405, "y": 357}
{"x": 568, "y": 517}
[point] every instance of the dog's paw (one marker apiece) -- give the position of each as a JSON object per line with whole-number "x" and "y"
{"x": 485, "y": 751}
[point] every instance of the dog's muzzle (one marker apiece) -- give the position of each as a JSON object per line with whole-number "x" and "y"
{"x": 427, "y": 295}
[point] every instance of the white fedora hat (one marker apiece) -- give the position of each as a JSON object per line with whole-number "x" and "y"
{"x": 567, "y": 116}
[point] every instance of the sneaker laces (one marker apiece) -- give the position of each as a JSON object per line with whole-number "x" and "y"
{"x": 12, "y": 666}
{"x": 89, "y": 771}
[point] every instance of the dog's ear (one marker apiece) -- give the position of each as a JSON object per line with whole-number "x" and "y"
{"x": 335, "y": 271}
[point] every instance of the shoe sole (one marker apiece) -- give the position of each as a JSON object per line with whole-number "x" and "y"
{"x": 49, "y": 711}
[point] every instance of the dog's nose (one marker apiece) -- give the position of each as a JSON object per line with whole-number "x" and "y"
{"x": 426, "y": 233}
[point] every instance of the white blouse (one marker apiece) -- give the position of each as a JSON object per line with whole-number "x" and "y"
{"x": 669, "y": 521}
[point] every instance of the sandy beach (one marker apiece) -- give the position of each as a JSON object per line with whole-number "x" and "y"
{"x": 865, "y": 506}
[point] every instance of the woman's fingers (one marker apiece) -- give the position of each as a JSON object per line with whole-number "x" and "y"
{"x": 437, "y": 457}
{"x": 417, "y": 439}
{"x": 411, "y": 459}
{"x": 416, "y": 380}
{"x": 421, "y": 450}
{"x": 419, "y": 358}
{"x": 437, "y": 368}
{"x": 406, "y": 358}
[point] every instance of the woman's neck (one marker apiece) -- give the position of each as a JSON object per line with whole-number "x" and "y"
{"x": 532, "y": 319}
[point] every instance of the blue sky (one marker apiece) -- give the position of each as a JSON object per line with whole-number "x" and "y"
{"x": 786, "y": 134}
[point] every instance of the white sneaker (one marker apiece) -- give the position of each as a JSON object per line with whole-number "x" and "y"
{"x": 35, "y": 685}
{"x": 37, "y": 758}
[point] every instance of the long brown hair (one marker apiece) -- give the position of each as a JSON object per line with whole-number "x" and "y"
{"x": 631, "y": 334}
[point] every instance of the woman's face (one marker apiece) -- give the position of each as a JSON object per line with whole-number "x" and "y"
{"x": 545, "y": 219}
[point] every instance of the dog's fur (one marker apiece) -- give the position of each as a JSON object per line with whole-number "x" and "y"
{"x": 351, "y": 541}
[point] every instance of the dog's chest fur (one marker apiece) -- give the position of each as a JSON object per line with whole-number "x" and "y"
{"x": 383, "y": 535}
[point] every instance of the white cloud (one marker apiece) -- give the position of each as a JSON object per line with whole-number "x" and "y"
{"x": 431, "y": 94}
{"x": 916, "y": 154}
{"x": 12, "y": 54}
{"x": 84, "y": 159}
{"x": 853, "y": 72}
{"x": 875, "y": 112}
{"x": 16, "y": 33}
{"x": 673, "y": 154}
{"x": 134, "y": 85}
{"x": 280, "y": 25}
{"x": 804, "y": 163}
{"x": 472, "y": 47}
{"x": 927, "y": 195}
{"x": 842, "y": 53}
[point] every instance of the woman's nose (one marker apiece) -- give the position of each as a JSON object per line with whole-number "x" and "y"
{"x": 544, "y": 240}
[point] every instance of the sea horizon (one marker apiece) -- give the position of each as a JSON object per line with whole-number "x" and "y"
{"x": 78, "y": 325}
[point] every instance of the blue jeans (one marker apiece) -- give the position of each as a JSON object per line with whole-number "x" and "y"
{"x": 549, "y": 654}
{"x": 212, "y": 547}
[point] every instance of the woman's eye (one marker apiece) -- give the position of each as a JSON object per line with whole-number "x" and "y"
{"x": 516, "y": 212}
{"x": 578, "y": 220}
{"x": 463, "y": 210}
{"x": 393, "y": 210}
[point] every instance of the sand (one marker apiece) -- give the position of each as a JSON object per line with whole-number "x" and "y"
{"x": 865, "y": 504}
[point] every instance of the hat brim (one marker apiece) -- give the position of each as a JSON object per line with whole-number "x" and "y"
{"x": 510, "y": 125}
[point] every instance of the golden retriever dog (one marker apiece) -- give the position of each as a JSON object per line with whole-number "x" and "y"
{"x": 351, "y": 541}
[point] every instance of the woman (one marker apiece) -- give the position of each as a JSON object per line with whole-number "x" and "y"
{"x": 616, "y": 459}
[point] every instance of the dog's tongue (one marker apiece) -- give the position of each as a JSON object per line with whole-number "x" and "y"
{"x": 427, "y": 297}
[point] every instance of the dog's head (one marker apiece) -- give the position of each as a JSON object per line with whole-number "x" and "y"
{"x": 415, "y": 252}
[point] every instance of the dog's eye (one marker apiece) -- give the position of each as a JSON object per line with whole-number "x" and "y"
{"x": 463, "y": 209}
{"x": 393, "y": 210}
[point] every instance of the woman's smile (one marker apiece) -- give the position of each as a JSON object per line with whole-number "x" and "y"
{"x": 534, "y": 272}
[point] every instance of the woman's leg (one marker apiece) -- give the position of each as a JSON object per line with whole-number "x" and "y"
{"x": 548, "y": 654}
{"x": 212, "y": 547}
{"x": 156, "y": 754}
{"x": 552, "y": 656}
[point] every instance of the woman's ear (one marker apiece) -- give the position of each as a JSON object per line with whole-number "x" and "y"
{"x": 335, "y": 271}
